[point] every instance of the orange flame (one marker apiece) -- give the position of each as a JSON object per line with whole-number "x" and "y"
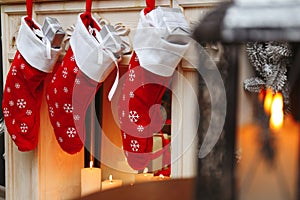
{"x": 273, "y": 107}
{"x": 268, "y": 101}
{"x": 276, "y": 120}
{"x": 91, "y": 164}
{"x": 110, "y": 178}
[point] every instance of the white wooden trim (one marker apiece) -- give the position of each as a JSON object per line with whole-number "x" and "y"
{"x": 184, "y": 125}
{"x": 176, "y": 128}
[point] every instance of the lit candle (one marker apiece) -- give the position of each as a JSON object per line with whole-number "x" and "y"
{"x": 161, "y": 177}
{"x": 111, "y": 183}
{"x": 90, "y": 180}
{"x": 145, "y": 176}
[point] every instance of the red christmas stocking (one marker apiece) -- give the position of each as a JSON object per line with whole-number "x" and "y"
{"x": 157, "y": 53}
{"x": 75, "y": 83}
{"x": 140, "y": 118}
{"x": 24, "y": 84}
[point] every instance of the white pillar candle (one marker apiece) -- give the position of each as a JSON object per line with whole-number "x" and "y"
{"x": 145, "y": 176}
{"x": 111, "y": 183}
{"x": 90, "y": 180}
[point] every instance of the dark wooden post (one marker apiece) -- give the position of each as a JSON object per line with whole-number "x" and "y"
{"x": 294, "y": 82}
{"x": 2, "y": 163}
{"x": 216, "y": 171}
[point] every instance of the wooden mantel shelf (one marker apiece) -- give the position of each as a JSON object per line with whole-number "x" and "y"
{"x": 174, "y": 189}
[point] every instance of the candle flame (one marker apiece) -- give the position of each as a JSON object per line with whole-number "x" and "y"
{"x": 145, "y": 170}
{"x": 91, "y": 164}
{"x": 268, "y": 101}
{"x": 276, "y": 120}
{"x": 110, "y": 178}
{"x": 161, "y": 176}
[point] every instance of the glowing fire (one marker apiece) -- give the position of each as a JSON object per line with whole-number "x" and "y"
{"x": 276, "y": 119}
{"x": 91, "y": 164}
{"x": 268, "y": 101}
{"x": 273, "y": 106}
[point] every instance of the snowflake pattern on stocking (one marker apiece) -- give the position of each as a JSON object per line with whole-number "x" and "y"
{"x": 65, "y": 72}
{"x": 28, "y": 112}
{"x": 66, "y": 90}
{"x": 14, "y": 71}
{"x": 5, "y": 112}
{"x": 131, "y": 75}
{"x": 14, "y": 137}
{"x": 51, "y": 111}
{"x": 68, "y": 108}
{"x": 60, "y": 139}
{"x": 24, "y": 127}
{"x": 131, "y": 94}
{"x": 71, "y": 132}
{"x": 136, "y": 59}
{"x": 134, "y": 144}
{"x": 17, "y": 85}
{"x": 140, "y": 128}
{"x": 76, "y": 117}
{"x": 57, "y": 124}
{"x": 75, "y": 70}
{"x": 77, "y": 81}
{"x": 11, "y": 103}
{"x": 22, "y": 66}
{"x": 133, "y": 116}
{"x": 53, "y": 78}
{"x": 21, "y": 103}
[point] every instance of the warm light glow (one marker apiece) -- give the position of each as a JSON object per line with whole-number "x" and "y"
{"x": 110, "y": 178}
{"x": 268, "y": 101}
{"x": 273, "y": 106}
{"x": 161, "y": 176}
{"x": 261, "y": 95}
{"x": 276, "y": 119}
{"x": 145, "y": 170}
{"x": 91, "y": 164}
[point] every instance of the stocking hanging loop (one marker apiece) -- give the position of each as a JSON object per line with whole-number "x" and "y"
{"x": 150, "y": 5}
{"x": 88, "y": 6}
{"x": 29, "y": 8}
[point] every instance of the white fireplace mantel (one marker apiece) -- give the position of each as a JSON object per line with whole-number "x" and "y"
{"x": 48, "y": 172}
